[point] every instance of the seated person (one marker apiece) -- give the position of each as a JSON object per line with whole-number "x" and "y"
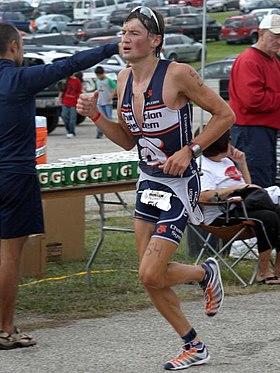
{"x": 224, "y": 170}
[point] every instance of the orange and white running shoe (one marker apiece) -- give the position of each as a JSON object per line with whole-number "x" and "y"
{"x": 192, "y": 353}
{"x": 213, "y": 288}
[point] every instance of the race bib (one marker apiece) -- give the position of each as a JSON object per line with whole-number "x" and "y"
{"x": 156, "y": 198}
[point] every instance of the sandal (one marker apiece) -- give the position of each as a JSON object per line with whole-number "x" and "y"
{"x": 22, "y": 339}
{"x": 7, "y": 342}
{"x": 272, "y": 280}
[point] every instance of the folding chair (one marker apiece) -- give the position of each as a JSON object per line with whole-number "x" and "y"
{"x": 226, "y": 235}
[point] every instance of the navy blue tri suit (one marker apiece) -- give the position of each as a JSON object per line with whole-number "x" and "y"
{"x": 163, "y": 132}
{"x": 20, "y": 200}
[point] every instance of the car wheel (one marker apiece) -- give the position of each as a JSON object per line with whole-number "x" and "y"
{"x": 54, "y": 30}
{"x": 199, "y": 55}
{"x": 173, "y": 57}
{"x": 254, "y": 38}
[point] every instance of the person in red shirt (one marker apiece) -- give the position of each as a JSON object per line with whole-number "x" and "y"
{"x": 69, "y": 100}
{"x": 255, "y": 99}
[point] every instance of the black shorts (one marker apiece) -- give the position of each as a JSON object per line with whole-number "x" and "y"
{"x": 21, "y": 212}
{"x": 169, "y": 225}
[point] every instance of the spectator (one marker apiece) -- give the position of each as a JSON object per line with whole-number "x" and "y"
{"x": 224, "y": 170}
{"x": 255, "y": 99}
{"x": 69, "y": 100}
{"x": 106, "y": 88}
{"x": 20, "y": 200}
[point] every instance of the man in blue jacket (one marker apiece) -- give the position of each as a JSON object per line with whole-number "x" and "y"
{"x": 20, "y": 200}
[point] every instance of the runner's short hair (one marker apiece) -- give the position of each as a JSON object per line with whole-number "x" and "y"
{"x": 156, "y": 28}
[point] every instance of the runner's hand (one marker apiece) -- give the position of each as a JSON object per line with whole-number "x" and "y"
{"x": 87, "y": 105}
{"x": 178, "y": 162}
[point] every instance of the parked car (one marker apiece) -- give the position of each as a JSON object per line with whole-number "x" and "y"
{"x": 55, "y": 39}
{"x": 170, "y": 12}
{"x": 189, "y": 9}
{"x": 54, "y": 7}
{"x": 219, "y": 70}
{"x": 198, "y": 3}
{"x": 178, "y": 47}
{"x": 85, "y": 9}
{"x": 240, "y": 29}
{"x": 221, "y": 5}
{"x": 16, "y": 19}
{"x": 149, "y": 3}
{"x": 260, "y": 13}
{"x": 17, "y": 6}
{"x": 258, "y": 4}
{"x": 101, "y": 40}
{"x": 86, "y": 29}
{"x": 118, "y": 16}
{"x": 50, "y": 23}
{"x": 191, "y": 25}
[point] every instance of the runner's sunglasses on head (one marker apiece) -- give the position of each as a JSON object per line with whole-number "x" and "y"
{"x": 148, "y": 13}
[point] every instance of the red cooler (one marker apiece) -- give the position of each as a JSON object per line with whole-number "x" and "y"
{"x": 41, "y": 139}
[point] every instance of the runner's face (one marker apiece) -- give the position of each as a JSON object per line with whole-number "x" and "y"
{"x": 137, "y": 43}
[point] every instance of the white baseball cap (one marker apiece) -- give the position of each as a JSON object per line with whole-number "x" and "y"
{"x": 271, "y": 23}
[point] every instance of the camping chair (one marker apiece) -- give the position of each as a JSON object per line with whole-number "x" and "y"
{"x": 226, "y": 235}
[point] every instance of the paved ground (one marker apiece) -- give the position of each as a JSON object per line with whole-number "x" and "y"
{"x": 243, "y": 338}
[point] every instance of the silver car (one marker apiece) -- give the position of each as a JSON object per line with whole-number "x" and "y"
{"x": 179, "y": 47}
{"x": 50, "y": 23}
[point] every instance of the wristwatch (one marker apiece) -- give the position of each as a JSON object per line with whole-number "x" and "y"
{"x": 195, "y": 149}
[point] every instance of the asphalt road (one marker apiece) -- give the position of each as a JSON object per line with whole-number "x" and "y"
{"x": 243, "y": 338}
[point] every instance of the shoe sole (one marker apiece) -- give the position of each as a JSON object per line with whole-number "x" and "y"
{"x": 200, "y": 362}
{"x": 221, "y": 284}
{"x": 9, "y": 347}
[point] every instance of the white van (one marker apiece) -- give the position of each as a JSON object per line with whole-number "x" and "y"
{"x": 85, "y": 9}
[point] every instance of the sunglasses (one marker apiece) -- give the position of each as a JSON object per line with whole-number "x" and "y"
{"x": 148, "y": 13}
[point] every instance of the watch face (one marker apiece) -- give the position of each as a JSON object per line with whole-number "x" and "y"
{"x": 196, "y": 150}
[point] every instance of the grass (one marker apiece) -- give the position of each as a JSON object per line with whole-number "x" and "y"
{"x": 218, "y": 50}
{"x": 114, "y": 288}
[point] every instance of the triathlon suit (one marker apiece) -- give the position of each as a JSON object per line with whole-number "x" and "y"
{"x": 165, "y": 200}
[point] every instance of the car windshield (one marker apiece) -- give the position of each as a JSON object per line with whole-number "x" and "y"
{"x": 233, "y": 23}
{"x": 164, "y": 12}
{"x": 252, "y": 3}
{"x": 183, "y": 21}
{"x": 74, "y": 27}
{"x": 42, "y": 18}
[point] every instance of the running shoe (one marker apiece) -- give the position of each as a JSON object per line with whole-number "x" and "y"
{"x": 192, "y": 353}
{"x": 212, "y": 287}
